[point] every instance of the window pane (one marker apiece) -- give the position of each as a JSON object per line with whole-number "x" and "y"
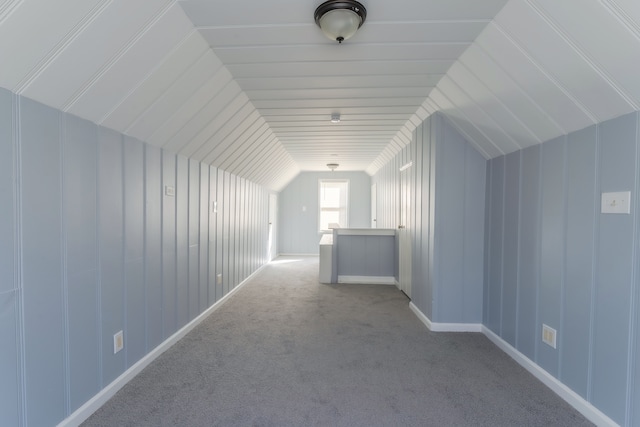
{"x": 333, "y": 203}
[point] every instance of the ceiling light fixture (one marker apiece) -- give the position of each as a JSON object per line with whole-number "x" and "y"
{"x": 335, "y": 118}
{"x": 332, "y": 166}
{"x": 339, "y": 20}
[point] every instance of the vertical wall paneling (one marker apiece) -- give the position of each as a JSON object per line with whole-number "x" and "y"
{"x": 228, "y": 232}
{"x": 577, "y": 268}
{"x": 111, "y": 249}
{"x": 153, "y": 246}
{"x": 487, "y": 242}
{"x": 7, "y": 187}
{"x": 552, "y": 247}
{"x": 582, "y": 205}
{"x": 41, "y": 258}
{"x": 529, "y": 251}
{"x": 417, "y": 292}
{"x": 169, "y": 288}
{"x": 447, "y": 220}
{"x": 182, "y": 240}
{"x": 194, "y": 238}
{"x": 459, "y": 210}
{"x": 80, "y": 233}
{"x": 494, "y": 288}
{"x": 135, "y": 328}
{"x": 614, "y": 268}
{"x": 426, "y": 300}
{"x": 509, "y": 321}
{"x": 233, "y": 230}
{"x": 239, "y": 230}
{"x": 213, "y": 232}
{"x": 203, "y": 240}
{"x": 101, "y": 233}
{"x": 634, "y": 385}
{"x": 434, "y": 136}
{"x": 473, "y": 248}
{"x": 450, "y": 232}
{"x": 220, "y": 235}
{"x": 10, "y": 390}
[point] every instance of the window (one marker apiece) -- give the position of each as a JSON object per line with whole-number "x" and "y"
{"x": 334, "y": 198}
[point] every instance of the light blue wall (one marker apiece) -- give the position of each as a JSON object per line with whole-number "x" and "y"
{"x": 555, "y": 259}
{"x": 90, "y": 245}
{"x": 298, "y": 230}
{"x": 447, "y": 220}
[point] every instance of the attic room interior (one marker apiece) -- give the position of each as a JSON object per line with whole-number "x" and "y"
{"x": 155, "y": 154}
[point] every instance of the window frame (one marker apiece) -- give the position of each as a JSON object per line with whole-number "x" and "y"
{"x": 339, "y": 209}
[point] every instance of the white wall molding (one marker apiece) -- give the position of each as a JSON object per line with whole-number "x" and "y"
{"x": 592, "y": 413}
{"x": 367, "y": 280}
{"x": 92, "y": 405}
{"x": 444, "y": 327}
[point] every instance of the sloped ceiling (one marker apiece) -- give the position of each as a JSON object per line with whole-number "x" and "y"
{"x": 250, "y": 86}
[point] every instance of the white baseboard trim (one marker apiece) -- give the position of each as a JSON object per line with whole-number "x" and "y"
{"x": 93, "y": 404}
{"x": 590, "y": 412}
{"x": 367, "y": 280}
{"x": 444, "y": 327}
{"x": 300, "y": 255}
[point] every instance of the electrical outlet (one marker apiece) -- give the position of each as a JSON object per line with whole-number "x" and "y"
{"x": 169, "y": 191}
{"x": 548, "y": 335}
{"x": 118, "y": 342}
{"x": 219, "y": 279}
{"x": 214, "y": 207}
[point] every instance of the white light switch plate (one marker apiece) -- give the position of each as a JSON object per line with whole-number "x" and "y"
{"x": 616, "y": 203}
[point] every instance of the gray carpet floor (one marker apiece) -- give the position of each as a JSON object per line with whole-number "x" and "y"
{"x": 289, "y": 351}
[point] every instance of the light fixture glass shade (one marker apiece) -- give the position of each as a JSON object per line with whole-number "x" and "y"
{"x": 340, "y": 24}
{"x": 340, "y": 19}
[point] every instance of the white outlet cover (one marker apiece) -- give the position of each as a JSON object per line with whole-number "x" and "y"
{"x": 549, "y": 335}
{"x": 169, "y": 191}
{"x": 118, "y": 342}
{"x": 616, "y": 202}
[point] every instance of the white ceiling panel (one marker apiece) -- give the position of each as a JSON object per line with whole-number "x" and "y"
{"x": 250, "y": 86}
{"x": 151, "y": 126}
{"x": 491, "y": 105}
{"x": 619, "y": 65}
{"x": 340, "y": 82}
{"x": 514, "y": 98}
{"x": 478, "y": 138}
{"x": 93, "y": 51}
{"x": 219, "y": 142}
{"x": 200, "y": 109}
{"x": 348, "y": 52}
{"x": 572, "y": 71}
{"x": 134, "y": 66}
{"x": 175, "y": 64}
{"x": 533, "y": 79}
{"x": 478, "y": 116}
{"x": 224, "y": 110}
{"x": 340, "y": 68}
{"x": 243, "y": 142}
{"x": 33, "y": 32}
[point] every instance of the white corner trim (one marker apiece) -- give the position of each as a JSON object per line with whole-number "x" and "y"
{"x": 85, "y": 411}
{"x": 592, "y": 413}
{"x": 420, "y": 315}
{"x": 368, "y": 280}
{"x": 444, "y": 327}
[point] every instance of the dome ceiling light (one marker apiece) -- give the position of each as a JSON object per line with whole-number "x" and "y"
{"x": 339, "y": 20}
{"x": 332, "y": 166}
